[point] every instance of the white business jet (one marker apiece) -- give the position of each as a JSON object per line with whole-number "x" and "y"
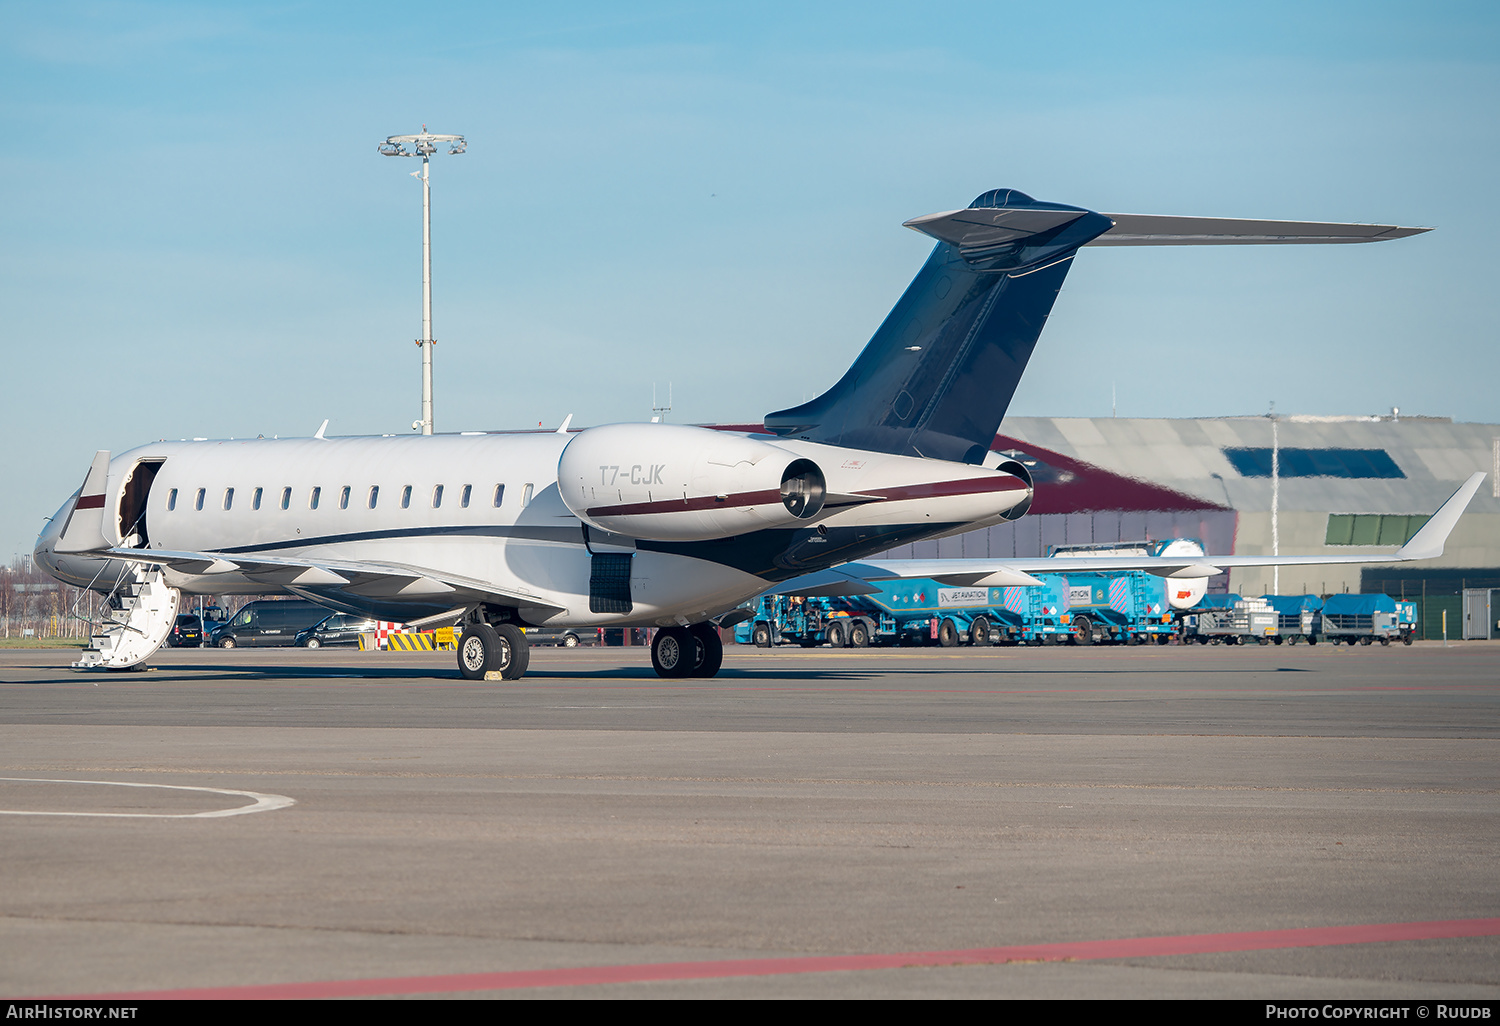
{"x": 645, "y": 524}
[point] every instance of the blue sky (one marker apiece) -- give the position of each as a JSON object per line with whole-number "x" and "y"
{"x": 201, "y": 239}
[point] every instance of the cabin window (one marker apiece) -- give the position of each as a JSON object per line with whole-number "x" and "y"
{"x": 344, "y": 498}
{"x": 437, "y": 496}
{"x": 463, "y": 500}
{"x": 406, "y": 497}
{"x": 172, "y": 500}
{"x": 228, "y": 497}
{"x": 499, "y": 495}
{"x": 286, "y": 498}
{"x": 526, "y": 496}
{"x": 313, "y": 497}
{"x": 374, "y": 495}
{"x": 255, "y": 499}
{"x": 198, "y": 502}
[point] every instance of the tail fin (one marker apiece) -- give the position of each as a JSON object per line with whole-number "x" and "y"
{"x": 936, "y": 378}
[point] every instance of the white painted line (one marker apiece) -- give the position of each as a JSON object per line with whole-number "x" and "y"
{"x": 262, "y": 802}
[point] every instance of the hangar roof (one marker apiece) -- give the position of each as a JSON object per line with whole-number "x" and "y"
{"x": 1326, "y": 464}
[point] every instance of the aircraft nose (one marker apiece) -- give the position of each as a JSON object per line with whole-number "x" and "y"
{"x": 44, "y": 552}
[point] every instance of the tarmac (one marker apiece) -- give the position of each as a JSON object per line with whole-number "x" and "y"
{"x": 1269, "y": 823}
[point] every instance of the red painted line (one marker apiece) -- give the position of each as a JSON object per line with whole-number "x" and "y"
{"x": 89, "y": 502}
{"x": 1074, "y": 951}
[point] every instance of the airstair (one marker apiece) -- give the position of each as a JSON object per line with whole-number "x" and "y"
{"x": 140, "y": 612}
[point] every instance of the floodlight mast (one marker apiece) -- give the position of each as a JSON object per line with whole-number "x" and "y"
{"x": 424, "y": 144}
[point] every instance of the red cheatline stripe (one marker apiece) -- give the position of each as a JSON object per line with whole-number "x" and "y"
{"x": 685, "y": 504}
{"x": 1077, "y": 951}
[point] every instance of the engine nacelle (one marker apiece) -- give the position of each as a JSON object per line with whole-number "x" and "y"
{"x": 666, "y": 482}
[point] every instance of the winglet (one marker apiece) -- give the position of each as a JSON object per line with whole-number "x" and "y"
{"x": 1428, "y": 542}
{"x": 84, "y": 531}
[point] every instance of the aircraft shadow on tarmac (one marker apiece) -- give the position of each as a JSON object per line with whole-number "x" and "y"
{"x": 217, "y": 673}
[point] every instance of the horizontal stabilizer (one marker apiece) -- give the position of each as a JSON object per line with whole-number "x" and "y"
{"x": 1171, "y": 230}
{"x": 975, "y": 230}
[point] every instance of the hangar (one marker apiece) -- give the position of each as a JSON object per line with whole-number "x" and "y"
{"x": 1342, "y": 485}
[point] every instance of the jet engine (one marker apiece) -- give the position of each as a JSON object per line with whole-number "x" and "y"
{"x": 666, "y": 482}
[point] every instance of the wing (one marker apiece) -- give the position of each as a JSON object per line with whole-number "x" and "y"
{"x": 848, "y": 579}
{"x": 365, "y": 580}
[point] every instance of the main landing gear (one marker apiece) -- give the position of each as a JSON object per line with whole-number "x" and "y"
{"x": 695, "y": 651}
{"x": 484, "y": 649}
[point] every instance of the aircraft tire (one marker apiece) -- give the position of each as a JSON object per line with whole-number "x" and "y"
{"x": 476, "y": 650}
{"x": 512, "y": 654}
{"x": 708, "y": 650}
{"x": 672, "y": 652}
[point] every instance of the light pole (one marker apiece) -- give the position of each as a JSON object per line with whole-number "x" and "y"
{"x": 424, "y": 145}
{"x": 1275, "y": 501}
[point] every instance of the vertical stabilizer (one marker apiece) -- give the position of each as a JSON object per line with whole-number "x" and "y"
{"x": 936, "y": 378}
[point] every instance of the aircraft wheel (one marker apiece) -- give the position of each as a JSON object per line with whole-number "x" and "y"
{"x": 947, "y": 633}
{"x": 476, "y": 649}
{"x": 836, "y": 636}
{"x": 672, "y": 653}
{"x": 979, "y": 632}
{"x": 761, "y": 635}
{"x": 859, "y": 635}
{"x": 1085, "y": 635}
{"x": 514, "y": 654}
{"x": 708, "y": 650}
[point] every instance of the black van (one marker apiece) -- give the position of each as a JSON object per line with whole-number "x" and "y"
{"x": 268, "y": 623}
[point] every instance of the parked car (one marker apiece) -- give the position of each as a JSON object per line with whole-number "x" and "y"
{"x": 268, "y": 623}
{"x": 187, "y": 632}
{"x": 338, "y": 629}
{"x": 567, "y": 637}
